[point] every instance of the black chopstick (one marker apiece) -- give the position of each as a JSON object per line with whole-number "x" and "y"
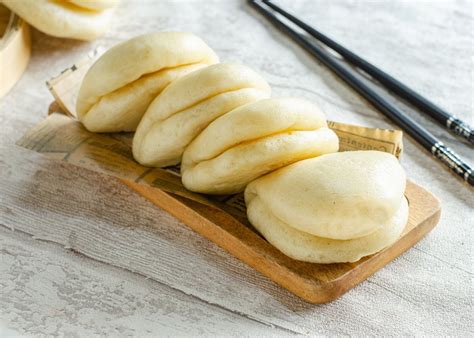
{"x": 419, "y": 133}
{"x": 446, "y": 119}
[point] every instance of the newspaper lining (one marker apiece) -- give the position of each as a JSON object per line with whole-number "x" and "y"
{"x": 62, "y": 137}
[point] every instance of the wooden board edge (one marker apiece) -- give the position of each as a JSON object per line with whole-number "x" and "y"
{"x": 316, "y": 293}
{"x": 377, "y": 261}
{"x": 219, "y": 236}
{"x": 363, "y": 271}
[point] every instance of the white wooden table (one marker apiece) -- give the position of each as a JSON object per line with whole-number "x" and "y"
{"x": 55, "y": 282}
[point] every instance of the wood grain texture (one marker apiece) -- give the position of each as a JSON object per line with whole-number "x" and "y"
{"x": 427, "y": 290}
{"x": 315, "y": 283}
{"x": 71, "y": 291}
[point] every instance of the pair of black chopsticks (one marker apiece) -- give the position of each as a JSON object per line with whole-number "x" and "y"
{"x": 273, "y": 13}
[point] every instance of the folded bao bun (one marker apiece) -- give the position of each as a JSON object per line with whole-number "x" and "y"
{"x": 62, "y": 18}
{"x": 118, "y": 88}
{"x": 253, "y": 140}
{"x": 302, "y": 246}
{"x": 339, "y": 196}
{"x": 97, "y": 5}
{"x": 188, "y": 105}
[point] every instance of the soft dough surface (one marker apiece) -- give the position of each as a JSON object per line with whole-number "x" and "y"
{"x": 251, "y": 141}
{"x": 339, "y": 196}
{"x": 302, "y": 246}
{"x": 62, "y": 19}
{"x": 122, "y": 109}
{"x": 188, "y": 105}
{"x": 117, "y": 89}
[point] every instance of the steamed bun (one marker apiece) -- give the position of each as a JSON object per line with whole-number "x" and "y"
{"x": 120, "y": 85}
{"x": 65, "y": 19}
{"x": 303, "y": 246}
{"x": 340, "y": 196}
{"x": 190, "y": 104}
{"x": 253, "y": 140}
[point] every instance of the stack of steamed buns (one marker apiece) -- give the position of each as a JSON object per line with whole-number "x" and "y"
{"x": 311, "y": 202}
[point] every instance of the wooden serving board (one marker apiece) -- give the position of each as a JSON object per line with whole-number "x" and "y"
{"x": 223, "y": 220}
{"x": 316, "y": 283}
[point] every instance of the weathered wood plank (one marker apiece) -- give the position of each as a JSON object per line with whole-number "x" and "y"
{"x": 74, "y": 296}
